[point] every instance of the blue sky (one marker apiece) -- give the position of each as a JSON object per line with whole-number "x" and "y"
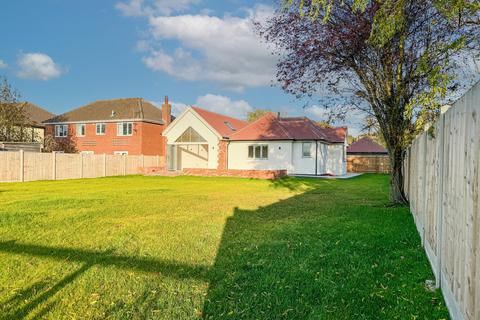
{"x": 63, "y": 54}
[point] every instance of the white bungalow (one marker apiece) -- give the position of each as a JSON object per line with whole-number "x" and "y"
{"x": 202, "y": 139}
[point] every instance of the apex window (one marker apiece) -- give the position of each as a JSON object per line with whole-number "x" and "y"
{"x": 125, "y": 128}
{"x": 258, "y": 152}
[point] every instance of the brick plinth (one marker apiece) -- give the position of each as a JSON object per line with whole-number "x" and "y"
{"x": 253, "y": 174}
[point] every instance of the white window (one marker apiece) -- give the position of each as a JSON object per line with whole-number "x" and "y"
{"x": 86, "y": 152}
{"x": 307, "y": 150}
{"x": 81, "y": 130}
{"x": 61, "y": 130}
{"x": 258, "y": 151}
{"x": 125, "y": 128}
{"x": 121, "y": 153}
{"x": 101, "y": 128}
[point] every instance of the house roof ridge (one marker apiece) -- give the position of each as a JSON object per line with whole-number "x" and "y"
{"x": 216, "y": 113}
{"x": 251, "y": 124}
{"x": 289, "y": 135}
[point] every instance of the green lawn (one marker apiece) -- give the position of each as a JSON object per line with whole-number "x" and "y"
{"x": 218, "y": 248}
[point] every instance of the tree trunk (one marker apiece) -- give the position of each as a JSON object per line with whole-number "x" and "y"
{"x": 397, "y": 192}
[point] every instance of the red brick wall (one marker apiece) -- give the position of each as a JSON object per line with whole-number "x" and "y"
{"x": 254, "y": 174}
{"x": 146, "y": 139}
{"x": 222, "y": 155}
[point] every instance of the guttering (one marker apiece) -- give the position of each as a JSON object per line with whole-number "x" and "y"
{"x": 104, "y": 121}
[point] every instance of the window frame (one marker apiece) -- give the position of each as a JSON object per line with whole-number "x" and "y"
{"x": 121, "y": 132}
{"x": 99, "y": 125}
{"x": 78, "y": 130}
{"x": 262, "y": 151}
{"x": 64, "y": 130}
{"x": 120, "y": 153}
{"x": 309, "y": 150}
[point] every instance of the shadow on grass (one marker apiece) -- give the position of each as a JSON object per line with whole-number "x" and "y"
{"x": 17, "y": 307}
{"x": 313, "y": 256}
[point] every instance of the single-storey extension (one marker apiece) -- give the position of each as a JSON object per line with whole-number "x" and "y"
{"x": 200, "y": 139}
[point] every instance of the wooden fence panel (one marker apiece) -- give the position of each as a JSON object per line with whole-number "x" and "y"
{"x": 10, "y": 166}
{"x": 443, "y": 181}
{"x": 115, "y": 165}
{"x": 93, "y": 166}
{"x": 134, "y": 164}
{"x": 51, "y": 166}
{"x": 68, "y": 166}
{"x": 151, "y": 161}
{"x": 368, "y": 163}
{"x": 38, "y": 166}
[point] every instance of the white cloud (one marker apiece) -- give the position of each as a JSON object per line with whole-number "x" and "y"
{"x": 3, "y": 65}
{"x": 353, "y": 118}
{"x": 215, "y": 103}
{"x": 223, "y": 50}
{"x": 136, "y": 8}
{"x": 225, "y": 105}
{"x": 38, "y": 66}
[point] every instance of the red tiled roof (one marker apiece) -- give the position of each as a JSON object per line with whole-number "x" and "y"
{"x": 272, "y": 127}
{"x": 337, "y": 134}
{"x": 366, "y": 145}
{"x": 222, "y": 124}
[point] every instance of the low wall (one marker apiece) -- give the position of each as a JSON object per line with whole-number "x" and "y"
{"x": 253, "y": 174}
{"x": 368, "y": 163}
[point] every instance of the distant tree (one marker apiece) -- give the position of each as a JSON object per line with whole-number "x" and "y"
{"x": 14, "y": 120}
{"x": 392, "y": 59}
{"x": 64, "y": 144}
{"x": 256, "y": 114}
{"x": 324, "y": 124}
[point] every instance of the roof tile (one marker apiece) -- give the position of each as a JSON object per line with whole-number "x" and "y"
{"x": 116, "y": 109}
{"x": 366, "y": 145}
{"x": 272, "y": 127}
{"x": 224, "y": 125}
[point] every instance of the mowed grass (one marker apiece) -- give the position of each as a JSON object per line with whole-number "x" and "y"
{"x": 215, "y": 248}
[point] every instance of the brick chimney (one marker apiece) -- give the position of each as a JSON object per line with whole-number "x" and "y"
{"x": 166, "y": 112}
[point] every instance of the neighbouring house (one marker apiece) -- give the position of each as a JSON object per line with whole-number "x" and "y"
{"x": 200, "y": 139}
{"x": 130, "y": 126}
{"x": 35, "y": 132}
{"x": 365, "y": 155}
{"x": 36, "y": 116}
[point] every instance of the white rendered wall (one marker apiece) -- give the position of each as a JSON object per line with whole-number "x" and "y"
{"x": 279, "y": 156}
{"x": 301, "y": 164}
{"x": 335, "y": 160}
{"x": 288, "y": 155}
{"x": 191, "y": 119}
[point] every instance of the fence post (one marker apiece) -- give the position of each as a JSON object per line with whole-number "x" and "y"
{"x": 54, "y": 166}
{"x": 158, "y": 161}
{"x": 125, "y": 164}
{"x": 22, "y": 166}
{"x": 104, "y": 164}
{"x": 143, "y": 161}
{"x": 81, "y": 165}
{"x": 441, "y": 172}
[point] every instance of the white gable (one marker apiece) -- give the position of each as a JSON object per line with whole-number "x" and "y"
{"x": 190, "y": 119}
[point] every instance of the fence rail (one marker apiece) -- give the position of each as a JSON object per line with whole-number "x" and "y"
{"x": 442, "y": 171}
{"x": 28, "y": 166}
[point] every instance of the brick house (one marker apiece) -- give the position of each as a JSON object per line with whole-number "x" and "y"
{"x": 121, "y": 126}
